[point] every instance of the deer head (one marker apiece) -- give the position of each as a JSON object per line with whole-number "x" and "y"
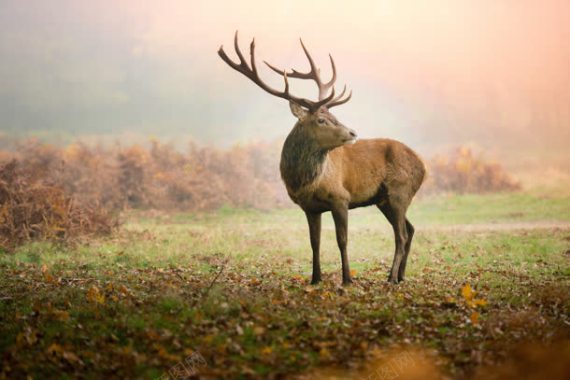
{"x": 314, "y": 119}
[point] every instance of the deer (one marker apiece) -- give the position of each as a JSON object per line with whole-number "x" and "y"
{"x": 325, "y": 167}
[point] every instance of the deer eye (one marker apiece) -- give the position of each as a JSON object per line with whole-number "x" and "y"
{"x": 321, "y": 121}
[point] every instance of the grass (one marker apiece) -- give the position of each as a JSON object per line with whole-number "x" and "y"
{"x": 232, "y": 287}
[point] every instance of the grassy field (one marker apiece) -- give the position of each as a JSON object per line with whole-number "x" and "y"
{"x": 226, "y": 295}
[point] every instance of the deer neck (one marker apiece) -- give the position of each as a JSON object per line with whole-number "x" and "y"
{"x": 302, "y": 159}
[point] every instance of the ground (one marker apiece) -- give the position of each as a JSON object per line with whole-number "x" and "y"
{"x": 227, "y": 295}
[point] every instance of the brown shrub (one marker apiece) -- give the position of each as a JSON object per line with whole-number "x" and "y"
{"x": 463, "y": 172}
{"x": 131, "y": 177}
{"x": 161, "y": 177}
{"x": 33, "y": 209}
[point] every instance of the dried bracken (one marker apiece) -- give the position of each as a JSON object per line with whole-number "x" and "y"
{"x": 49, "y": 192}
{"x": 33, "y": 209}
{"x": 463, "y": 172}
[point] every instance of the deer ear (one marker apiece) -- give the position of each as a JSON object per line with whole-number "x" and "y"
{"x": 299, "y": 112}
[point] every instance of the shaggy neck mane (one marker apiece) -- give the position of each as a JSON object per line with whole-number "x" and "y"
{"x": 302, "y": 159}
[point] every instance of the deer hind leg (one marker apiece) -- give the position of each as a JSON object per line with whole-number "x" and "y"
{"x": 395, "y": 212}
{"x": 410, "y": 229}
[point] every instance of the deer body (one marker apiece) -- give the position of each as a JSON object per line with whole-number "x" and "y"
{"x": 325, "y": 168}
{"x": 357, "y": 175}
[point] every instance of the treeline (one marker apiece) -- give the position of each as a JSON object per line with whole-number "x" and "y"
{"x": 49, "y": 192}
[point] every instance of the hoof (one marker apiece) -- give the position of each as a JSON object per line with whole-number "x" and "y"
{"x": 393, "y": 281}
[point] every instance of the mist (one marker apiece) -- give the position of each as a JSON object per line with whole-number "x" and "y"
{"x": 495, "y": 74}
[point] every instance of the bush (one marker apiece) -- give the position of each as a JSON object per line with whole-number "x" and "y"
{"x": 33, "y": 209}
{"x": 203, "y": 178}
{"x": 463, "y": 172}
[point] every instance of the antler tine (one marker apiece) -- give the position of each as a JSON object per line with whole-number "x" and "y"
{"x": 341, "y": 94}
{"x": 323, "y": 102}
{"x": 333, "y": 79}
{"x": 251, "y": 73}
{"x": 313, "y": 74}
{"x": 255, "y": 77}
{"x": 292, "y": 74}
{"x": 238, "y": 51}
{"x": 338, "y": 100}
{"x": 316, "y": 75}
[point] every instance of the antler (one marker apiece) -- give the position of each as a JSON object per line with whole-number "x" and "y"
{"x": 251, "y": 73}
{"x": 315, "y": 75}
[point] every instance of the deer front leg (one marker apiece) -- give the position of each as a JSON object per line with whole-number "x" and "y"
{"x": 340, "y": 216}
{"x": 315, "y": 234}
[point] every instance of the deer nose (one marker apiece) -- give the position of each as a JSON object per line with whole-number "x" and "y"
{"x": 352, "y": 133}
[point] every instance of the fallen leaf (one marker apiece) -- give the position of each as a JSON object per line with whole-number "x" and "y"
{"x": 467, "y": 292}
{"x": 258, "y": 330}
{"x": 474, "y": 318}
{"x": 94, "y": 295}
{"x": 60, "y": 315}
{"x": 54, "y": 349}
{"x": 480, "y": 302}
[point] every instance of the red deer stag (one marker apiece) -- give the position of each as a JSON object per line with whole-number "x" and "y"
{"x": 325, "y": 169}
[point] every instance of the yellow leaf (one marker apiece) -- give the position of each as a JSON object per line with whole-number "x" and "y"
{"x": 353, "y": 272}
{"x": 328, "y": 294}
{"x": 54, "y": 349}
{"x": 266, "y": 350}
{"x": 480, "y": 302}
{"x": 94, "y": 295}
{"x": 467, "y": 292}
{"x": 475, "y": 318}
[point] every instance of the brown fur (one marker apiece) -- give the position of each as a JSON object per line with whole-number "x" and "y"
{"x": 361, "y": 174}
{"x": 323, "y": 173}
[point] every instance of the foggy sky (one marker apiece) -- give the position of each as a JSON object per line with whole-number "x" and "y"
{"x": 494, "y": 72}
